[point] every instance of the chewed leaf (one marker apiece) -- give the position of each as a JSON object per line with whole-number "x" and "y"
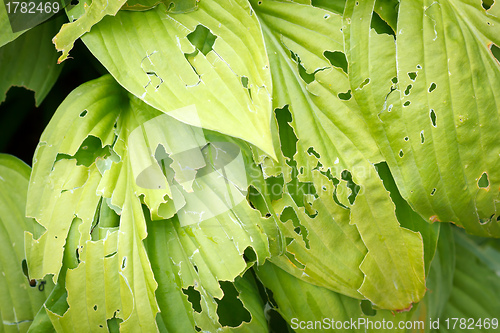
{"x": 124, "y": 166}
{"x": 195, "y": 286}
{"x": 323, "y": 309}
{"x": 330, "y": 149}
{"x": 195, "y": 59}
{"x": 19, "y": 302}
{"x": 435, "y": 90}
{"x": 93, "y": 13}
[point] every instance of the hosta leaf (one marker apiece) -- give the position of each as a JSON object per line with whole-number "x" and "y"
{"x": 409, "y": 218}
{"x": 69, "y": 186}
{"x": 106, "y": 165}
{"x": 212, "y": 60}
{"x": 90, "y": 13}
{"x": 184, "y": 295}
{"x": 439, "y": 96}
{"x": 330, "y": 145}
{"x": 303, "y": 305}
{"x": 20, "y": 67}
{"x": 18, "y": 301}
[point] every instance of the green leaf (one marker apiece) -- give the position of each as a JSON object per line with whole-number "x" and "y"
{"x": 409, "y": 218}
{"x": 19, "y": 302}
{"x": 184, "y": 287}
{"x": 88, "y": 15}
{"x": 327, "y": 144}
{"x": 20, "y": 67}
{"x": 436, "y": 94}
{"x": 106, "y": 166}
{"x": 307, "y": 307}
{"x": 153, "y": 57}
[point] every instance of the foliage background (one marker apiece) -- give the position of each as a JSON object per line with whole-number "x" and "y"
{"x": 20, "y": 132}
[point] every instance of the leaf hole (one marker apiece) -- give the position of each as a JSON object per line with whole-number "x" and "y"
{"x": 114, "y": 323}
{"x": 287, "y": 135}
{"x": 244, "y": 81}
{"x": 483, "y": 181}
{"x": 406, "y": 138}
{"x": 347, "y": 176}
{"x": 408, "y": 88}
{"x": 432, "y": 87}
{"x": 95, "y": 307}
{"x": 337, "y": 59}
{"x": 311, "y": 151}
{"x": 433, "y": 117}
{"x": 487, "y": 4}
{"x": 422, "y": 138}
{"x": 407, "y": 103}
{"x": 401, "y": 153}
{"x": 364, "y": 83}
{"x": 367, "y": 308}
{"x": 495, "y": 51}
{"x": 230, "y": 309}
{"x": 124, "y": 262}
{"x": 249, "y": 254}
{"x": 433, "y": 191}
{"x": 413, "y": 75}
{"x": 194, "y": 297}
{"x": 345, "y": 96}
{"x": 419, "y": 67}
{"x": 108, "y": 255}
{"x": 83, "y": 114}
{"x": 202, "y": 39}
{"x": 380, "y": 25}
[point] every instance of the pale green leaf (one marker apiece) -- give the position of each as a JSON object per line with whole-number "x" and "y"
{"x": 19, "y": 302}
{"x": 211, "y": 60}
{"x": 183, "y": 293}
{"x": 327, "y": 143}
{"x": 100, "y": 175}
{"x": 430, "y": 99}
{"x": 91, "y": 13}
